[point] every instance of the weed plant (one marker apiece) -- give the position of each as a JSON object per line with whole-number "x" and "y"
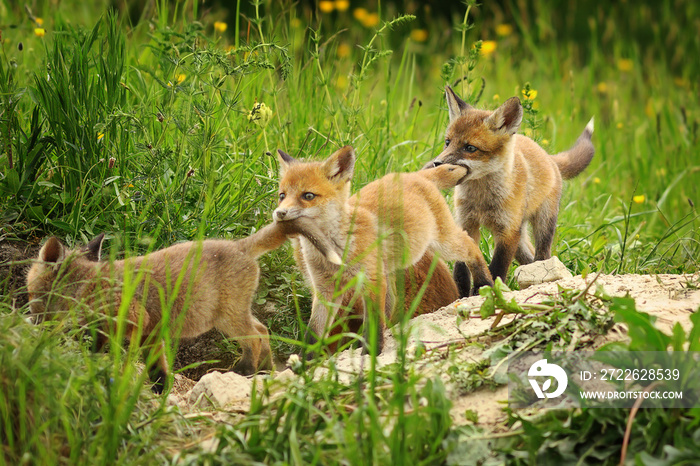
{"x": 145, "y": 123}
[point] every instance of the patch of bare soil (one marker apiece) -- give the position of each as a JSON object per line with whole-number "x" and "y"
{"x": 671, "y": 298}
{"x": 14, "y": 264}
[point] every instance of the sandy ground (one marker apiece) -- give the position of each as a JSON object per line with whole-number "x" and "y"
{"x": 671, "y": 298}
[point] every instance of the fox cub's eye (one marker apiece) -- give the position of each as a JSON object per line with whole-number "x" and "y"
{"x": 308, "y": 196}
{"x": 282, "y": 196}
{"x": 447, "y": 142}
{"x": 470, "y": 148}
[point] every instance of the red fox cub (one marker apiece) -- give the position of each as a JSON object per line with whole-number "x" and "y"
{"x": 511, "y": 181}
{"x": 218, "y": 281}
{"x": 387, "y": 226}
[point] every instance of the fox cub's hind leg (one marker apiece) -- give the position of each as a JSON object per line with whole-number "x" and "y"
{"x": 457, "y": 244}
{"x": 544, "y": 227}
{"x": 463, "y": 279}
{"x": 461, "y": 274}
{"x": 526, "y": 252}
{"x": 265, "y": 360}
{"x": 251, "y": 335}
{"x": 321, "y": 323}
{"x": 158, "y": 372}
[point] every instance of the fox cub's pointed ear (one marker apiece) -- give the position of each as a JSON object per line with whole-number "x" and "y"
{"x": 93, "y": 250}
{"x": 285, "y": 160}
{"x": 340, "y": 166}
{"x": 52, "y": 251}
{"x": 506, "y": 119}
{"x": 455, "y": 105}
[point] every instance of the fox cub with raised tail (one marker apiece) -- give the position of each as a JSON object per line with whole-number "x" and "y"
{"x": 210, "y": 284}
{"x": 389, "y": 225}
{"x": 510, "y": 182}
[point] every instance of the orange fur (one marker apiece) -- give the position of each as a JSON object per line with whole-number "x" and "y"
{"x": 511, "y": 181}
{"x": 389, "y": 225}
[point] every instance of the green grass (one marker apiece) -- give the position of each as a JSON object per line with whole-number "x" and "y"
{"x": 136, "y": 124}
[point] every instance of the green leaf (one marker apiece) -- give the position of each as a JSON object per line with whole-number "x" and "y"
{"x": 694, "y": 336}
{"x": 678, "y": 337}
{"x": 36, "y": 213}
{"x": 644, "y": 335}
{"x": 11, "y": 183}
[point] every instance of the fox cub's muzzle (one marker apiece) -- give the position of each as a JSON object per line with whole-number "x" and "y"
{"x": 436, "y": 162}
{"x": 432, "y": 164}
{"x": 282, "y": 214}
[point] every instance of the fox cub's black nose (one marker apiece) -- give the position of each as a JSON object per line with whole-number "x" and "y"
{"x": 432, "y": 164}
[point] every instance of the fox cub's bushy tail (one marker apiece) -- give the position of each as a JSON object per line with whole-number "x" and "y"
{"x": 573, "y": 161}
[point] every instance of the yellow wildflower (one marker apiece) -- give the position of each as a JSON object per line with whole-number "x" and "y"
{"x": 180, "y": 77}
{"x": 530, "y": 95}
{"x": 100, "y": 136}
{"x": 649, "y": 108}
{"x": 326, "y": 6}
{"x": 342, "y": 5}
{"x": 620, "y": 125}
{"x": 39, "y": 22}
{"x": 504, "y": 30}
{"x": 488, "y": 47}
{"x": 260, "y": 114}
{"x": 371, "y": 20}
{"x": 360, "y": 14}
{"x": 638, "y": 199}
{"x": 341, "y": 82}
{"x": 220, "y": 26}
{"x": 419, "y": 35}
{"x": 596, "y": 180}
{"x": 39, "y": 32}
{"x": 602, "y": 87}
{"x": 343, "y": 50}
{"x": 625, "y": 64}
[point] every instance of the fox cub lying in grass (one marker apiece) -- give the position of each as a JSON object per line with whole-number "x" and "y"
{"x": 389, "y": 225}
{"x": 204, "y": 284}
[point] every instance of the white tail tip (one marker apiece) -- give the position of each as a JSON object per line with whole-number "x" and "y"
{"x": 589, "y": 126}
{"x": 334, "y": 258}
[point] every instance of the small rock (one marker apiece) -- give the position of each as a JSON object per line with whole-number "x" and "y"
{"x": 216, "y": 389}
{"x": 285, "y": 376}
{"x": 549, "y": 270}
{"x": 175, "y": 399}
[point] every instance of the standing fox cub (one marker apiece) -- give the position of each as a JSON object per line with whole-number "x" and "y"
{"x": 510, "y": 181}
{"x": 387, "y": 226}
{"x": 218, "y": 280}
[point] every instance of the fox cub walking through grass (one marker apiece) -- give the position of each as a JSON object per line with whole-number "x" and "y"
{"x": 387, "y": 226}
{"x": 510, "y": 182}
{"x": 210, "y": 284}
